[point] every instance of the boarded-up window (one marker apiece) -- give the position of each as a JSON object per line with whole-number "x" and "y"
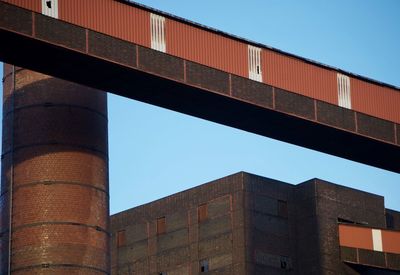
{"x": 282, "y": 209}
{"x": 344, "y": 95}
{"x": 202, "y": 212}
{"x": 50, "y": 8}
{"x": 255, "y": 63}
{"x": 121, "y": 238}
{"x": 161, "y": 225}
{"x": 157, "y": 29}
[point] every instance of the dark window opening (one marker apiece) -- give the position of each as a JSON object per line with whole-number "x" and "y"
{"x": 202, "y": 213}
{"x": 163, "y": 273}
{"x": 121, "y": 238}
{"x": 48, "y": 4}
{"x": 389, "y": 221}
{"x": 283, "y": 264}
{"x": 204, "y": 266}
{"x": 282, "y": 209}
{"x": 161, "y": 225}
{"x": 258, "y": 69}
{"x": 341, "y": 220}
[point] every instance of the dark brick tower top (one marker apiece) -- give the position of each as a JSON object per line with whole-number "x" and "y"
{"x": 245, "y": 224}
{"x": 54, "y": 179}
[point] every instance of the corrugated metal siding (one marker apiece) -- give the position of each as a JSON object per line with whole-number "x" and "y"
{"x": 206, "y": 48}
{"x": 109, "y": 17}
{"x": 391, "y": 241}
{"x": 358, "y": 237}
{"x": 214, "y": 50}
{"x": 299, "y": 77}
{"x": 34, "y": 5}
{"x": 375, "y": 100}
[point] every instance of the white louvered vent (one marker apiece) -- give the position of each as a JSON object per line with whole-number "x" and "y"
{"x": 157, "y": 26}
{"x": 255, "y": 63}
{"x": 343, "y": 87}
{"x": 50, "y": 8}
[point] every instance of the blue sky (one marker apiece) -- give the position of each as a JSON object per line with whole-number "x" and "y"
{"x": 156, "y": 152}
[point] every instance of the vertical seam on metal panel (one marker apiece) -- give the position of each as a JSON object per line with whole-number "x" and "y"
{"x": 230, "y": 84}
{"x": 355, "y": 121}
{"x": 386, "y": 263}
{"x": 315, "y": 110}
{"x": 137, "y": 55}
{"x": 87, "y": 40}
{"x": 33, "y": 25}
{"x": 358, "y": 256}
{"x": 273, "y": 97}
{"x": 395, "y": 134}
{"x": 184, "y": 70}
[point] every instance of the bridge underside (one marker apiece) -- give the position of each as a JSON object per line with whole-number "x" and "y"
{"x": 73, "y": 53}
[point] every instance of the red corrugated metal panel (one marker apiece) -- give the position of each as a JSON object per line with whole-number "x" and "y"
{"x": 206, "y": 48}
{"x": 294, "y": 75}
{"x": 375, "y": 100}
{"x": 358, "y": 237}
{"x": 109, "y": 17}
{"x": 391, "y": 241}
{"x": 34, "y": 5}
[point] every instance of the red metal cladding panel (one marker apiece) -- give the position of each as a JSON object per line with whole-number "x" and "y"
{"x": 206, "y": 48}
{"x": 375, "y": 100}
{"x": 391, "y": 241}
{"x": 108, "y": 17}
{"x": 34, "y": 5}
{"x": 294, "y": 75}
{"x": 358, "y": 237}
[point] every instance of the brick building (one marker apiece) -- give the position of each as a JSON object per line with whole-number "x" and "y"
{"x": 247, "y": 224}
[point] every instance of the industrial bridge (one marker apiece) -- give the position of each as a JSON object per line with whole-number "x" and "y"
{"x": 163, "y": 60}
{"x": 160, "y": 59}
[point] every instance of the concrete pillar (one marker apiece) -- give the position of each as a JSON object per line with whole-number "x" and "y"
{"x": 54, "y": 178}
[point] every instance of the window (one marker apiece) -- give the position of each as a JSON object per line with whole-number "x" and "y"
{"x": 50, "y": 8}
{"x": 285, "y": 262}
{"x": 389, "y": 221}
{"x": 255, "y": 63}
{"x": 161, "y": 226}
{"x": 121, "y": 238}
{"x": 202, "y": 213}
{"x": 204, "y": 266}
{"x": 163, "y": 273}
{"x": 282, "y": 209}
{"x": 157, "y": 29}
{"x": 344, "y": 96}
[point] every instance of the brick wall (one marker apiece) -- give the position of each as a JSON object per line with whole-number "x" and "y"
{"x": 55, "y": 165}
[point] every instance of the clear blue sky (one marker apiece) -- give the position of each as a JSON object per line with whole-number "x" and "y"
{"x": 156, "y": 152}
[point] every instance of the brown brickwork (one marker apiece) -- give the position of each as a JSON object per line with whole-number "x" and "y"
{"x": 55, "y": 165}
{"x": 60, "y": 32}
{"x": 245, "y": 224}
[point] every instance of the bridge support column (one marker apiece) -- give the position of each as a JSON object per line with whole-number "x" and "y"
{"x": 54, "y": 200}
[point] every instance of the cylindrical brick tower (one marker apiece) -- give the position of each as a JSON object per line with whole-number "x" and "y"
{"x": 54, "y": 178}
